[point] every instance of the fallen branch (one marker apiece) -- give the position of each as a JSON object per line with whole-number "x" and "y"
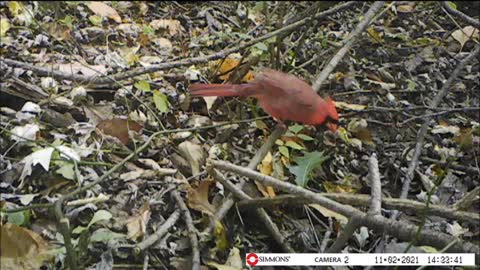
{"x": 261, "y": 213}
{"x": 185, "y": 62}
{"x": 259, "y": 155}
{"x": 159, "y": 232}
{"x": 423, "y": 130}
{"x": 192, "y": 234}
{"x": 362, "y": 200}
{"x": 460, "y": 14}
{"x": 402, "y": 230}
{"x": 375, "y": 185}
{"x": 361, "y": 26}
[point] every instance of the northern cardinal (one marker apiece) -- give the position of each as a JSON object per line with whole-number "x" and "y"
{"x": 281, "y": 95}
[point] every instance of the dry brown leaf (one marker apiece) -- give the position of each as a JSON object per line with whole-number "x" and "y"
{"x": 465, "y": 34}
{"x": 194, "y": 154}
{"x": 84, "y": 69}
{"x": 465, "y": 139}
{"x": 354, "y": 107}
{"x": 405, "y": 8}
{"x": 339, "y": 188}
{"x": 266, "y": 168}
{"x": 365, "y": 135}
{"x": 102, "y": 9}
{"x": 119, "y": 128}
{"x": 21, "y": 248}
{"x": 174, "y": 27}
{"x": 329, "y": 213}
{"x": 137, "y": 225}
{"x": 198, "y": 198}
{"x": 227, "y": 66}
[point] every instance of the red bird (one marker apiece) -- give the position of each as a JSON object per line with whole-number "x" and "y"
{"x": 281, "y": 95}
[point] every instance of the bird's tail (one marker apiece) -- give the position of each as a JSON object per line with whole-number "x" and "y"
{"x": 220, "y": 90}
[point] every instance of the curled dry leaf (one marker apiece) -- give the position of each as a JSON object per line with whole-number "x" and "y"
{"x": 465, "y": 34}
{"x": 102, "y": 9}
{"x": 21, "y": 248}
{"x": 353, "y": 107}
{"x": 85, "y": 69}
{"x": 198, "y": 198}
{"x": 266, "y": 168}
{"x": 119, "y": 128}
{"x": 137, "y": 224}
{"x": 194, "y": 154}
{"x": 174, "y": 27}
{"x": 329, "y": 213}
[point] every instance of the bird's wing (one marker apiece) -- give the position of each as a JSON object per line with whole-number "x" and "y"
{"x": 287, "y": 89}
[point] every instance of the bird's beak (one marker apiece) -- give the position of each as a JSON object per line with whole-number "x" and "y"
{"x": 332, "y": 126}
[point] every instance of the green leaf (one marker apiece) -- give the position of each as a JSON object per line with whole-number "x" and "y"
{"x": 104, "y": 235}
{"x": 79, "y": 230}
{"x": 305, "y": 137}
{"x": 149, "y": 31}
{"x": 284, "y": 151}
{"x": 4, "y": 26}
{"x": 95, "y": 20}
{"x": 17, "y": 218}
{"x": 67, "y": 170}
{"x": 295, "y": 128}
{"x": 306, "y": 165}
{"x": 261, "y": 46}
{"x": 452, "y": 5}
{"x": 294, "y": 145}
{"x": 411, "y": 85}
{"x": 342, "y": 134}
{"x": 67, "y": 21}
{"x": 99, "y": 216}
{"x": 143, "y": 86}
{"x": 161, "y": 101}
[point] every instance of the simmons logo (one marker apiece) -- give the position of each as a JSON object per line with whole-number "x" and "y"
{"x": 253, "y": 259}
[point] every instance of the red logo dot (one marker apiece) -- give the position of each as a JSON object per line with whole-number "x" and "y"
{"x": 252, "y": 259}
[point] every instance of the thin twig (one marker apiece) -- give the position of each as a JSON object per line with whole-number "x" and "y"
{"x": 185, "y": 62}
{"x": 261, "y": 213}
{"x": 375, "y": 185}
{"x": 460, "y": 14}
{"x": 159, "y": 233}
{"x": 353, "y": 224}
{"x": 192, "y": 231}
{"x": 423, "y": 130}
{"x": 361, "y": 26}
{"x": 326, "y": 236}
{"x": 259, "y": 155}
{"x": 362, "y": 200}
{"x": 400, "y": 229}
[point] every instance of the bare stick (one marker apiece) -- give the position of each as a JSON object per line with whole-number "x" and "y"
{"x": 192, "y": 234}
{"x": 399, "y": 229}
{"x": 362, "y": 200}
{"x": 460, "y": 14}
{"x": 376, "y": 186}
{"x": 261, "y": 213}
{"x": 348, "y": 44}
{"x": 348, "y": 231}
{"x": 185, "y": 62}
{"x": 423, "y": 130}
{"x": 261, "y": 153}
{"x": 159, "y": 233}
